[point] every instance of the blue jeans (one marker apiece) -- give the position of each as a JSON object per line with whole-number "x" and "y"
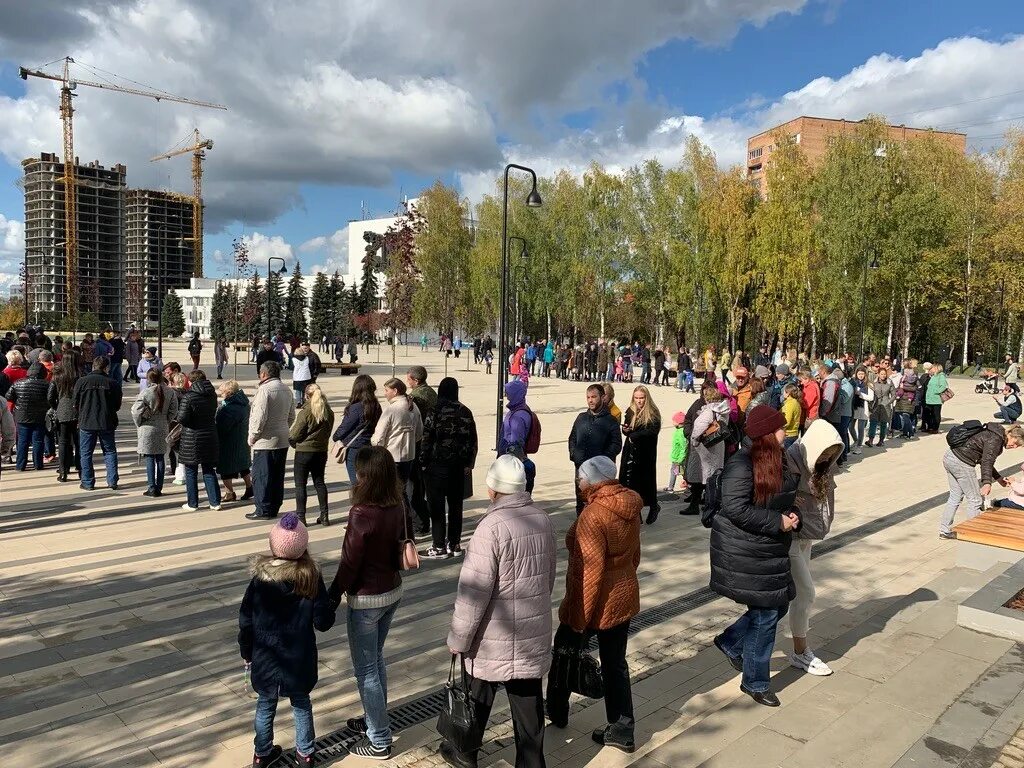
{"x": 350, "y": 464}
{"x": 752, "y": 636}
{"x": 209, "y": 480}
{"x": 87, "y": 439}
{"x": 1005, "y": 415}
{"x": 302, "y": 713}
{"x": 155, "y": 471}
{"x": 367, "y": 630}
{"x": 610, "y": 374}
{"x": 857, "y": 431}
{"x": 30, "y": 434}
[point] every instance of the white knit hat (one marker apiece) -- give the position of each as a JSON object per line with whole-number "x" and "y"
{"x": 599, "y": 469}
{"x": 507, "y": 475}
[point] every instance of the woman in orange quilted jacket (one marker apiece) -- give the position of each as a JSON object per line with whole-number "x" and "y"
{"x": 602, "y": 594}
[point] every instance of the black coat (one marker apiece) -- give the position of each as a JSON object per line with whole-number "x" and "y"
{"x": 97, "y": 400}
{"x": 275, "y": 630}
{"x": 640, "y": 460}
{"x": 594, "y": 434}
{"x": 449, "y": 435}
{"x": 749, "y": 550}
{"x": 29, "y": 396}
{"x": 197, "y": 414}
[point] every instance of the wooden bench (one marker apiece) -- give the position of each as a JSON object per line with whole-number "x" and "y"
{"x": 344, "y": 369}
{"x": 994, "y": 536}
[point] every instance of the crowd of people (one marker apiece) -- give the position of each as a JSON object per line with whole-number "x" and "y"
{"x": 755, "y": 456}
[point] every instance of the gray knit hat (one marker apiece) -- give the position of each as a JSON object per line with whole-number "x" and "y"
{"x": 599, "y": 469}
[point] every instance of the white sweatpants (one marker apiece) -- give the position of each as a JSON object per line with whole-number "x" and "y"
{"x": 800, "y": 608}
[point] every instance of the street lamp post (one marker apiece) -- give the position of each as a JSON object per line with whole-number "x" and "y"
{"x": 999, "y": 323}
{"x": 533, "y": 200}
{"x": 870, "y": 261}
{"x": 282, "y": 271}
{"x": 516, "y": 271}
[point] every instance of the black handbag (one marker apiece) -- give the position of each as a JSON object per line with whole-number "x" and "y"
{"x": 457, "y": 722}
{"x": 575, "y": 669}
{"x": 51, "y": 421}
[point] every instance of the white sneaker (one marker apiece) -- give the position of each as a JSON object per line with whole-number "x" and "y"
{"x": 187, "y": 508}
{"x": 215, "y": 507}
{"x": 856, "y": 451}
{"x": 810, "y": 663}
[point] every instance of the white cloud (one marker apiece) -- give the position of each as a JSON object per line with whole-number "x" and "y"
{"x": 331, "y": 251}
{"x": 963, "y": 84}
{"x": 263, "y": 247}
{"x": 371, "y": 92}
{"x": 12, "y": 251}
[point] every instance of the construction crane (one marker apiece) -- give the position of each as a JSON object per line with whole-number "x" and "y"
{"x": 68, "y": 85}
{"x": 198, "y": 150}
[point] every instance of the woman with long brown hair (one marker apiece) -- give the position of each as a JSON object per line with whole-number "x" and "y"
{"x": 640, "y": 450}
{"x": 358, "y": 421}
{"x": 62, "y": 400}
{"x": 369, "y": 577}
{"x": 152, "y": 412}
{"x": 751, "y": 535}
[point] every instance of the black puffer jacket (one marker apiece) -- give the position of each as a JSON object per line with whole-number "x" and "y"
{"x": 197, "y": 415}
{"x": 449, "y": 435}
{"x": 749, "y": 550}
{"x": 29, "y": 396}
{"x": 594, "y": 434}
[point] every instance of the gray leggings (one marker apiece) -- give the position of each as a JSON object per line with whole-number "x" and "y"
{"x": 963, "y": 484}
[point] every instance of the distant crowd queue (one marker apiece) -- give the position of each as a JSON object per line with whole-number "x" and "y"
{"x": 755, "y": 455}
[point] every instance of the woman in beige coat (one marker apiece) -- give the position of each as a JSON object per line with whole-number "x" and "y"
{"x": 502, "y": 618}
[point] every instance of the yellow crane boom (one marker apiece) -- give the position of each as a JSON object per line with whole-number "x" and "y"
{"x": 68, "y": 85}
{"x": 198, "y": 150}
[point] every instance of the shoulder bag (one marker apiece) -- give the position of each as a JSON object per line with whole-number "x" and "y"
{"x": 339, "y": 450}
{"x": 575, "y": 669}
{"x": 946, "y": 395}
{"x": 408, "y": 557}
{"x": 716, "y": 433}
{"x": 457, "y": 722}
{"x": 173, "y": 436}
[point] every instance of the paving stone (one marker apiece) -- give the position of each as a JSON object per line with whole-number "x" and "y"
{"x": 930, "y": 682}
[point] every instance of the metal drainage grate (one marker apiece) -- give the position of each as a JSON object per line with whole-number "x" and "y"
{"x": 428, "y": 706}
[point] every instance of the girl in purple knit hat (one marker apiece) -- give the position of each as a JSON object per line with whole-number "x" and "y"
{"x": 285, "y": 601}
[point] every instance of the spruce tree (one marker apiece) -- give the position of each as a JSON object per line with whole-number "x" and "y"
{"x": 320, "y": 309}
{"x": 367, "y": 296}
{"x": 173, "y": 315}
{"x": 220, "y": 311}
{"x": 275, "y": 292}
{"x": 295, "y": 304}
{"x": 253, "y": 308}
{"x": 336, "y": 299}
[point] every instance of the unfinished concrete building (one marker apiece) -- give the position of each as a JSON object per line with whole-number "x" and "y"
{"x": 101, "y": 245}
{"x": 160, "y": 256}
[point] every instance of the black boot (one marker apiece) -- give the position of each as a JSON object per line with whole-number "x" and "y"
{"x": 324, "y": 519}
{"x": 302, "y": 517}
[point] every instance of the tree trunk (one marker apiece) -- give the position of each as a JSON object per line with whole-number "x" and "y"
{"x": 548, "y": 313}
{"x": 967, "y": 313}
{"x": 1020, "y": 347}
{"x": 892, "y": 311}
{"x": 906, "y": 327}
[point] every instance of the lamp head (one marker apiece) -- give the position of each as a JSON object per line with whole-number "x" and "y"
{"x": 533, "y": 200}
{"x": 283, "y": 270}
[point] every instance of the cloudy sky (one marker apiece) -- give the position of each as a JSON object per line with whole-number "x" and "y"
{"x": 337, "y": 107}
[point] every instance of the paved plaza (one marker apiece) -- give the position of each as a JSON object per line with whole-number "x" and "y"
{"x": 118, "y": 619}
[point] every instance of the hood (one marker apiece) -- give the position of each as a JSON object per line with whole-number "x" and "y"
{"x": 515, "y": 392}
{"x": 818, "y": 438}
{"x": 203, "y": 387}
{"x": 616, "y": 498}
{"x": 272, "y": 569}
{"x": 512, "y": 501}
{"x": 239, "y": 398}
{"x": 448, "y": 389}
{"x": 36, "y": 371}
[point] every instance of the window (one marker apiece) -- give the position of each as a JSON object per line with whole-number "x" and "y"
{"x": 754, "y": 153}
{"x": 795, "y": 138}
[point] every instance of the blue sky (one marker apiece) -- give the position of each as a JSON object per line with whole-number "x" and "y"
{"x": 350, "y": 124}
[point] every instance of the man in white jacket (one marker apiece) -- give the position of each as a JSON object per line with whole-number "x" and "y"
{"x": 271, "y": 414}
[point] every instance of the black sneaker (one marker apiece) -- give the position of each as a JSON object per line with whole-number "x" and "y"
{"x": 652, "y": 515}
{"x": 433, "y": 553}
{"x": 363, "y": 748}
{"x": 149, "y": 492}
{"x": 618, "y": 738}
{"x": 305, "y": 760}
{"x": 357, "y": 724}
{"x": 736, "y": 661}
{"x": 268, "y": 759}
{"x": 455, "y": 551}
{"x": 455, "y": 758}
{"x": 85, "y": 487}
{"x": 247, "y": 495}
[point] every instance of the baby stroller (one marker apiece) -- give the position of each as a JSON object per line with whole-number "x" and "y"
{"x": 989, "y": 384}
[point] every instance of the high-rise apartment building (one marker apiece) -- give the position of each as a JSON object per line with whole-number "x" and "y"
{"x": 101, "y": 245}
{"x": 160, "y": 253}
{"x": 815, "y": 135}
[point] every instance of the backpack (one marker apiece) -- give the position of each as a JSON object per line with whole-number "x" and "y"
{"x": 712, "y": 499}
{"x": 533, "y": 437}
{"x": 845, "y": 395}
{"x": 958, "y": 436}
